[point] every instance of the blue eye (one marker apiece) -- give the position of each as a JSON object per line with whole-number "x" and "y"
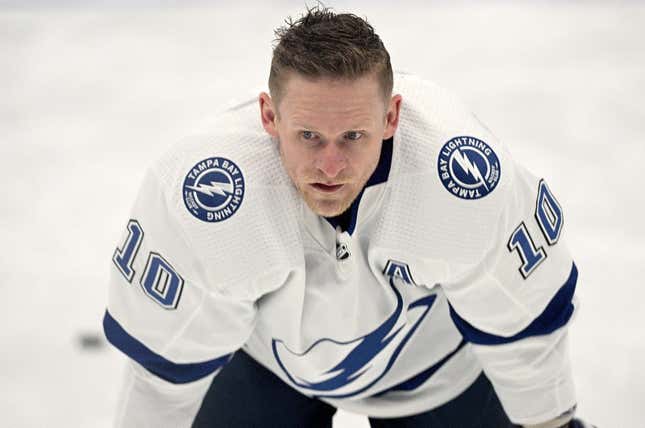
{"x": 354, "y": 135}
{"x": 308, "y": 135}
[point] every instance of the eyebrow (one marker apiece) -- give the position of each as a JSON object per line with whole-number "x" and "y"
{"x": 313, "y": 128}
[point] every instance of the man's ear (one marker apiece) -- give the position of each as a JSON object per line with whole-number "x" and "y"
{"x": 392, "y": 117}
{"x": 268, "y": 114}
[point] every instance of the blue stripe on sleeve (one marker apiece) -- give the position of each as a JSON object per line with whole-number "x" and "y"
{"x": 557, "y": 313}
{"x": 155, "y": 363}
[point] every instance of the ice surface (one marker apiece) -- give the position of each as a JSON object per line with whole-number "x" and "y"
{"x": 90, "y": 95}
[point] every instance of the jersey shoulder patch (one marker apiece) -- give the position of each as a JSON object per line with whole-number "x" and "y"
{"x": 468, "y": 167}
{"x": 232, "y": 202}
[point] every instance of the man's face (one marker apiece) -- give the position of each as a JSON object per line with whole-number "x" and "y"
{"x": 330, "y": 134}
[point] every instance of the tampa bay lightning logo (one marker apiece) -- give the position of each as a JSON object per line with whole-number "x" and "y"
{"x": 468, "y": 167}
{"x": 359, "y": 364}
{"x": 213, "y": 189}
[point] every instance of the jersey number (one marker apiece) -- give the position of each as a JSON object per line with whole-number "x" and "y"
{"x": 159, "y": 280}
{"x": 548, "y": 215}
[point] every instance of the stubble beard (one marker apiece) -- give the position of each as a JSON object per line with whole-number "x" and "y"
{"x": 327, "y": 206}
{"x": 331, "y": 205}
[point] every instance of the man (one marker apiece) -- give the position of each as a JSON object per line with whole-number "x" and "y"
{"x": 366, "y": 245}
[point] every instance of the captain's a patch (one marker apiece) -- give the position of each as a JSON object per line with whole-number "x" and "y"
{"x": 468, "y": 167}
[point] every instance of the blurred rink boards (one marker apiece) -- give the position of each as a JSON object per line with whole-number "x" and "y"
{"x": 91, "y": 94}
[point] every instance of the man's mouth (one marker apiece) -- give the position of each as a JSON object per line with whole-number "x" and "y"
{"x": 326, "y": 188}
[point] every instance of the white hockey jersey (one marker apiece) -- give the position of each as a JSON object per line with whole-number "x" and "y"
{"x": 452, "y": 261}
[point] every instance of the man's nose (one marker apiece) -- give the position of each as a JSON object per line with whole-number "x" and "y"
{"x": 331, "y": 160}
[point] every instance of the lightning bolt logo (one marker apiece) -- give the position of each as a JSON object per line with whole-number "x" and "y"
{"x": 351, "y": 368}
{"x": 469, "y": 167}
{"x": 213, "y": 188}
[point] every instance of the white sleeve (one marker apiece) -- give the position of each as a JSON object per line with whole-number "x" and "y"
{"x": 147, "y": 401}
{"x": 163, "y": 312}
{"x": 514, "y": 306}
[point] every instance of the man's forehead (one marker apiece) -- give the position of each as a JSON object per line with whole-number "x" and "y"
{"x": 308, "y": 100}
{"x": 295, "y": 84}
{"x": 342, "y": 116}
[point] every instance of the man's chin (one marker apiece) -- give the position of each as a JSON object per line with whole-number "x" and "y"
{"x": 327, "y": 208}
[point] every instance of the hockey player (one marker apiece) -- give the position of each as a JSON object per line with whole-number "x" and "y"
{"x": 351, "y": 240}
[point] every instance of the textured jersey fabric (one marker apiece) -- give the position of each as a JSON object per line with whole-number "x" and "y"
{"x": 432, "y": 290}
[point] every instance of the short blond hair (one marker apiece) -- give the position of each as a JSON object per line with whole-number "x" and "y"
{"x": 323, "y": 44}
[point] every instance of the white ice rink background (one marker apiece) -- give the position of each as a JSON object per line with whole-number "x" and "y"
{"x": 91, "y": 93}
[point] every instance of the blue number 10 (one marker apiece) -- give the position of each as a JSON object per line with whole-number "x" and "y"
{"x": 160, "y": 281}
{"x": 548, "y": 214}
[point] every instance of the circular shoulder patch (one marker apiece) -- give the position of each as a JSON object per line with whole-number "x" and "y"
{"x": 213, "y": 189}
{"x": 468, "y": 167}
